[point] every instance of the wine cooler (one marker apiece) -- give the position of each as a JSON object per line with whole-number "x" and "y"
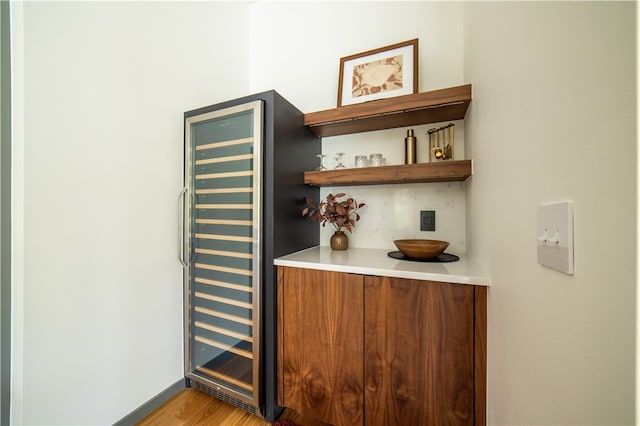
{"x": 240, "y": 208}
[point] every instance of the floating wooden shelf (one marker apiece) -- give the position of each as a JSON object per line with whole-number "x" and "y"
{"x": 442, "y": 171}
{"x": 408, "y": 110}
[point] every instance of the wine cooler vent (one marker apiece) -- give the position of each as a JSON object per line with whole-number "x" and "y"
{"x": 224, "y": 397}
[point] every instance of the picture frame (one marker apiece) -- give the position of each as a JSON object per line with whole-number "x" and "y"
{"x": 381, "y": 73}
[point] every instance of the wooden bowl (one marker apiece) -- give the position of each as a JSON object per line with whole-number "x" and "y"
{"x": 421, "y": 249}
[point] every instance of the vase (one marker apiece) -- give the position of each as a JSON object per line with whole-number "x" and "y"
{"x": 339, "y": 241}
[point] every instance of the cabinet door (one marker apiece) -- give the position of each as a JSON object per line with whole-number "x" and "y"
{"x": 320, "y": 344}
{"x": 419, "y": 352}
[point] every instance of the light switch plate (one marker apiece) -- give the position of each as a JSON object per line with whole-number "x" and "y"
{"x": 555, "y": 236}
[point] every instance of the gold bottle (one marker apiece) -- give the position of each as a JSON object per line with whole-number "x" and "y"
{"x": 410, "y": 148}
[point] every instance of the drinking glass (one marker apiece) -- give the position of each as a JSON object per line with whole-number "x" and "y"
{"x": 321, "y": 166}
{"x": 362, "y": 161}
{"x": 339, "y": 160}
{"x": 376, "y": 160}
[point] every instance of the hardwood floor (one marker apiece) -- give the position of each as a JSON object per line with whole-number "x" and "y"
{"x": 192, "y": 407}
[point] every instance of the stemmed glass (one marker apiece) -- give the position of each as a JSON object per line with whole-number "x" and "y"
{"x": 321, "y": 166}
{"x": 339, "y": 160}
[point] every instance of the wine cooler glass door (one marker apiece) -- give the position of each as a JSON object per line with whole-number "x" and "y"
{"x": 223, "y": 238}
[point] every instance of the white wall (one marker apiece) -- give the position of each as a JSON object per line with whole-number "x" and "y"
{"x": 105, "y": 87}
{"x": 554, "y": 118}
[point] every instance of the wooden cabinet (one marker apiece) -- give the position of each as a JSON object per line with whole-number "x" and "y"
{"x": 418, "y": 352}
{"x": 368, "y": 350}
{"x": 321, "y": 344}
{"x": 409, "y": 110}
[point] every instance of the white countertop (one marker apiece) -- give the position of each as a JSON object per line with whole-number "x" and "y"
{"x": 376, "y": 262}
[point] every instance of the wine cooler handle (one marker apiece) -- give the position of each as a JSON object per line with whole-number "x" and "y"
{"x": 181, "y": 241}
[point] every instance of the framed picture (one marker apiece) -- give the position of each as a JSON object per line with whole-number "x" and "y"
{"x": 380, "y": 73}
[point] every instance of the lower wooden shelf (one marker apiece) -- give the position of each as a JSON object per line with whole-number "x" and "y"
{"x": 442, "y": 171}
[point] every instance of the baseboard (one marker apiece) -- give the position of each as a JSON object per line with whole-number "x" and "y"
{"x": 148, "y": 407}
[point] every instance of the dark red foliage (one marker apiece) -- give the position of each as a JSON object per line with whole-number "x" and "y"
{"x": 340, "y": 213}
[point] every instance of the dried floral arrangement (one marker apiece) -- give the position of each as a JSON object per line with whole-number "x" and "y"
{"x": 339, "y": 213}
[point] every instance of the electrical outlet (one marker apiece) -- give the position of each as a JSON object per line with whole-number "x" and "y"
{"x": 427, "y": 220}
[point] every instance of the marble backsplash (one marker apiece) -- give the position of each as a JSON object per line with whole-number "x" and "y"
{"x": 393, "y": 212}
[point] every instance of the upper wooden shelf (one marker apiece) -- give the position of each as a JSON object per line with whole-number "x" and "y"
{"x": 408, "y": 110}
{"x": 442, "y": 171}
